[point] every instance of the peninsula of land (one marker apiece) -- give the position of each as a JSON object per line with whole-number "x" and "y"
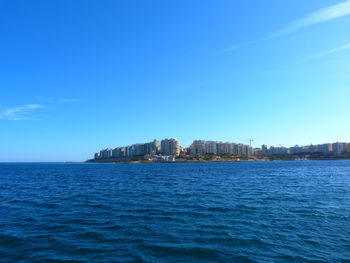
{"x": 170, "y": 151}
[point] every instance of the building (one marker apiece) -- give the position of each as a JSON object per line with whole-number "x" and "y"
{"x": 140, "y": 149}
{"x": 163, "y": 158}
{"x": 135, "y": 150}
{"x": 278, "y": 150}
{"x": 326, "y": 148}
{"x": 97, "y": 156}
{"x": 130, "y": 151}
{"x": 264, "y": 149}
{"x": 231, "y": 148}
{"x": 239, "y": 149}
{"x": 170, "y": 147}
{"x": 198, "y": 147}
{"x": 152, "y": 148}
{"x": 105, "y": 153}
{"x": 222, "y": 148}
{"x": 211, "y": 147}
{"x": 347, "y": 148}
{"x": 202, "y": 147}
{"x": 338, "y": 148}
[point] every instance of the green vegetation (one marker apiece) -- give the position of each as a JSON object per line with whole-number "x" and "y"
{"x": 228, "y": 156}
{"x": 209, "y": 157}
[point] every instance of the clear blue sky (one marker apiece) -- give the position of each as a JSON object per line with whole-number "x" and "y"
{"x": 77, "y": 76}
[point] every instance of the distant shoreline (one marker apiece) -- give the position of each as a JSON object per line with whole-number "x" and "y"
{"x": 204, "y": 161}
{"x": 217, "y": 161}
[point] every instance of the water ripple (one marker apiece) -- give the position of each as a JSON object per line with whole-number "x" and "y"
{"x": 200, "y": 212}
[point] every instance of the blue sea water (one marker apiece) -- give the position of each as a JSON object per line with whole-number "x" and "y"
{"x": 189, "y": 212}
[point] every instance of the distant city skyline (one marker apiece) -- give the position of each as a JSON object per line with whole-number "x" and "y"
{"x": 170, "y": 150}
{"x": 78, "y": 76}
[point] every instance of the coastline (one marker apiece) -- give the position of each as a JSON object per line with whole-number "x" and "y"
{"x": 218, "y": 161}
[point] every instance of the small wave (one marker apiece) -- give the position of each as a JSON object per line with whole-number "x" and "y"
{"x": 193, "y": 252}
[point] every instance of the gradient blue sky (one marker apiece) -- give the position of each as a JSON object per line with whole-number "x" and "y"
{"x": 77, "y": 76}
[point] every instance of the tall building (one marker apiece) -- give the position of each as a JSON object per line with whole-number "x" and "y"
{"x": 264, "y": 149}
{"x": 105, "y": 153}
{"x": 198, "y": 147}
{"x": 222, "y": 148}
{"x": 278, "y": 150}
{"x": 140, "y": 149}
{"x": 240, "y": 149}
{"x": 152, "y": 148}
{"x": 130, "y": 150}
{"x": 232, "y": 148}
{"x": 170, "y": 147}
{"x": 202, "y": 147}
{"x": 211, "y": 147}
{"x": 116, "y": 152}
{"x": 338, "y": 148}
{"x": 327, "y": 148}
{"x": 347, "y": 148}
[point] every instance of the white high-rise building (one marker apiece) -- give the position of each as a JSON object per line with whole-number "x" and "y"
{"x": 211, "y": 147}
{"x": 338, "y": 148}
{"x": 170, "y": 147}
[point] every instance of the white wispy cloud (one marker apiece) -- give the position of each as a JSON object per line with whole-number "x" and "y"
{"x": 330, "y": 51}
{"x": 322, "y": 15}
{"x": 19, "y": 113}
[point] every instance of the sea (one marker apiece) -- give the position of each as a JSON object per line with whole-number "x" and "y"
{"x": 175, "y": 212}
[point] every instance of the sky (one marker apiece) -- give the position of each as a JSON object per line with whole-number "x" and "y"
{"x": 79, "y": 76}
